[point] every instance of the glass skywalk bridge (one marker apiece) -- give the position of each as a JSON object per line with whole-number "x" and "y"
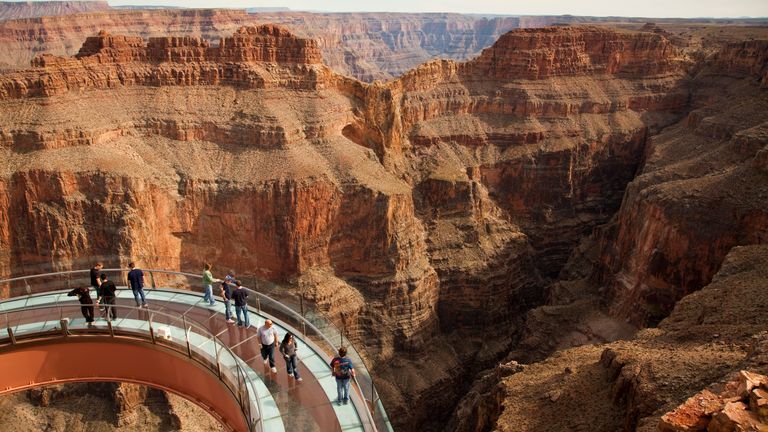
{"x": 180, "y": 325}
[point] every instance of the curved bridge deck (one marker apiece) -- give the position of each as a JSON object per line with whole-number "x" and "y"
{"x": 41, "y": 349}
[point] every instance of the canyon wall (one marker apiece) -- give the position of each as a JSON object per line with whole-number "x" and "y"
{"x": 687, "y": 248}
{"x": 701, "y": 192}
{"x": 629, "y": 385}
{"x": 434, "y": 208}
{"x": 366, "y": 46}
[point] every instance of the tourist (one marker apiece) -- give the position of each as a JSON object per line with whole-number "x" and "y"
{"x": 226, "y": 294}
{"x": 208, "y": 281}
{"x": 240, "y": 296}
{"x": 343, "y": 371}
{"x": 108, "y": 289}
{"x": 96, "y": 282}
{"x": 268, "y": 338}
{"x": 136, "y": 279}
{"x": 86, "y": 303}
{"x": 288, "y": 349}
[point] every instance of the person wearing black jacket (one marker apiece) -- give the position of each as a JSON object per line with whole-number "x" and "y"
{"x": 95, "y": 281}
{"x": 108, "y": 289}
{"x": 85, "y": 300}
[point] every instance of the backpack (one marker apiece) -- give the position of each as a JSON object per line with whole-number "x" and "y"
{"x": 341, "y": 369}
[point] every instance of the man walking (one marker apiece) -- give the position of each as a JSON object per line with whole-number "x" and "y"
{"x": 136, "y": 279}
{"x": 268, "y": 338}
{"x": 240, "y": 295}
{"x": 343, "y": 371}
{"x": 108, "y": 289}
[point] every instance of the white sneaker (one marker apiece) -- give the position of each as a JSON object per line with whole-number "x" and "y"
{"x": 266, "y": 361}
{"x": 299, "y": 379}
{"x": 290, "y": 374}
{"x": 274, "y": 370}
{"x": 230, "y": 321}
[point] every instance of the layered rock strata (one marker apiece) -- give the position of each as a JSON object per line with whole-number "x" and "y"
{"x": 413, "y": 212}
{"x": 367, "y": 46}
{"x": 703, "y": 190}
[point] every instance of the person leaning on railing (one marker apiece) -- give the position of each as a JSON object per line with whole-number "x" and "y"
{"x": 344, "y": 371}
{"x": 136, "y": 280}
{"x": 86, "y": 303}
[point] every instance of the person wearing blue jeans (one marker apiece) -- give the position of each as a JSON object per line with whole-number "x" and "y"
{"x": 208, "y": 281}
{"x": 344, "y": 371}
{"x": 226, "y": 294}
{"x": 288, "y": 349}
{"x": 136, "y": 279}
{"x": 240, "y": 296}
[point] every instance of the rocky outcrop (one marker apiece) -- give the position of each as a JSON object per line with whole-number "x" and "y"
{"x": 708, "y": 339}
{"x": 544, "y": 53}
{"x": 102, "y": 406}
{"x": 745, "y": 58}
{"x": 105, "y": 61}
{"x": 742, "y": 404}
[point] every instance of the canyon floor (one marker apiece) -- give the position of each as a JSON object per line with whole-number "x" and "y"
{"x": 564, "y": 232}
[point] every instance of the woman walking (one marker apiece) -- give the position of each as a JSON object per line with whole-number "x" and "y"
{"x": 288, "y": 349}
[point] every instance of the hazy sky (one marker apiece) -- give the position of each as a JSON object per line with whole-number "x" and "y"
{"x": 643, "y": 8}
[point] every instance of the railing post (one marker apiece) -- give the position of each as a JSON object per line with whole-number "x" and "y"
{"x": 258, "y": 304}
{"x": 186, "y": 335}
{"x": 64, "y": 325}
{"x": 109, "y": 325}
{"x": 11, "y": 335}
{"x": 27, "y": 287}
{"x": 151, "y": 330}
{"x": 218, "y": 358}
{"x": 152, "y": 280}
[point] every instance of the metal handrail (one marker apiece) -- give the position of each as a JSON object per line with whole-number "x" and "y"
{"x": 305, "y": 323}
{"x": 56, "y": 304}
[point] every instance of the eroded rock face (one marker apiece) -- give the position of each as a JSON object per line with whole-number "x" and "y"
{"x": 635, "y": 385}
{"x": 102, "y": 406}
{"x": 412, "y": 213}
{"x": 701, "y": 192}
